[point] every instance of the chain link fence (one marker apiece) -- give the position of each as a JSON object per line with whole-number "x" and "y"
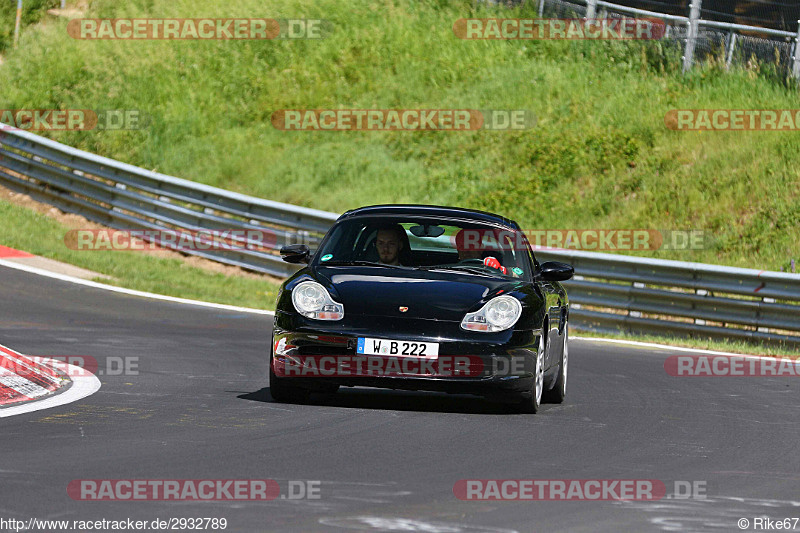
{"x": 746, "y": 44}
{"x": 751, "y": 33}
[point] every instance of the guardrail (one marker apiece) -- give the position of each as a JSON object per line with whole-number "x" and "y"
{"x": 609, "y": 292}
{"x": 123, "y": 196}
{"x": 655, "y": 296}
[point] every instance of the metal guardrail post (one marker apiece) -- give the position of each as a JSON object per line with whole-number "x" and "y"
{"x": 591, "y": 9}
{"x": 731, "y": 46}
{"x": 796, "y": 66}
{"x": 691, "y": 37}
{"x": 16, "y": 24}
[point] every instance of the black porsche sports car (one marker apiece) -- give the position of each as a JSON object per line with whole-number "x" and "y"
{"x": 422, "y": 297}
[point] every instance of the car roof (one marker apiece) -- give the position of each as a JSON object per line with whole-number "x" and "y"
{"x": 428, "y": 210}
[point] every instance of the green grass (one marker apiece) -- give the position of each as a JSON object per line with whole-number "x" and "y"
{"x": 25, "y": 229}
{"x": 599, "y": 157}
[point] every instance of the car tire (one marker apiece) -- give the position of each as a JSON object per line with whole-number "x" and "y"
{"x": 285, "y": 392}
{"x": 559, "y": 390}
{"x": 533, "y": 403}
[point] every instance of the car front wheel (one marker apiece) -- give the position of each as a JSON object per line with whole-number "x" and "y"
{"x": 283, "y": 391}
{"x": 531, "y": 404}
{"x": 559, "y": 390}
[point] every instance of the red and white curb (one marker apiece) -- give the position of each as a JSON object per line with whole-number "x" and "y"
{"x": 28, "y": 384}
{"x": 11, "y": 253}
{"x": 22, "y": 379}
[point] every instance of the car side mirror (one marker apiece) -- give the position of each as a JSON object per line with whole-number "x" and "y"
{"x": 296, "y": 253}
{"x": 555, "y": 271}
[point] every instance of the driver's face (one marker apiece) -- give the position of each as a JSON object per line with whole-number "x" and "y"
{"x": 388, "y": 246}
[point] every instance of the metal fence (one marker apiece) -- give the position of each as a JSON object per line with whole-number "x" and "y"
{"x": 655, "y": 296}
{"x": 609, "y": 292}
{"x": 700, "y": 34}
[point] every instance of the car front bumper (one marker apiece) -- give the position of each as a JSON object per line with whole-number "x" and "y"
{"x": 495, "y": 366}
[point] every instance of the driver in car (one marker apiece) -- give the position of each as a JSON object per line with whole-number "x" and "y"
{"x": 389, "y": 243}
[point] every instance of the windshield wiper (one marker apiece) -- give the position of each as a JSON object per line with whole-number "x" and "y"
{"x": 358, "y": 263}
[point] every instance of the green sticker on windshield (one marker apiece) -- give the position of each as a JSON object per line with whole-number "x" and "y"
{"x": 327, "y": 257}
{"x": 517, "y": 271}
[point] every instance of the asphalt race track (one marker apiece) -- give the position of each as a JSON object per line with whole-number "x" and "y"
{"x": 200, "y": 408}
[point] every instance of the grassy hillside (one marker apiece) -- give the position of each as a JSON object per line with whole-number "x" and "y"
{"x": 599, "y": 156}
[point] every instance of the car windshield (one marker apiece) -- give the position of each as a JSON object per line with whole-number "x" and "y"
{"x": 431, "y": 244}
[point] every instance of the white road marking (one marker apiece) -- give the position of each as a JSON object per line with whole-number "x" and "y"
{"x": 103, "y": 286}
{"x": 666, "y": 347}
{"x": 381, "y": 523}
{"x": 706, "y": 514}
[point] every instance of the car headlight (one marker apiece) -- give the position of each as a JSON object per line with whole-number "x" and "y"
{"x": 497, "y": 314}
{"x": 311, "y": 300}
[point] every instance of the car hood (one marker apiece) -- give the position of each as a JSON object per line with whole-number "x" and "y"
{"x": 435, "y": 295}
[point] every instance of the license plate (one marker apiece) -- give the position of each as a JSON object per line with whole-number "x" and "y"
{"x": 368, "y": 346}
